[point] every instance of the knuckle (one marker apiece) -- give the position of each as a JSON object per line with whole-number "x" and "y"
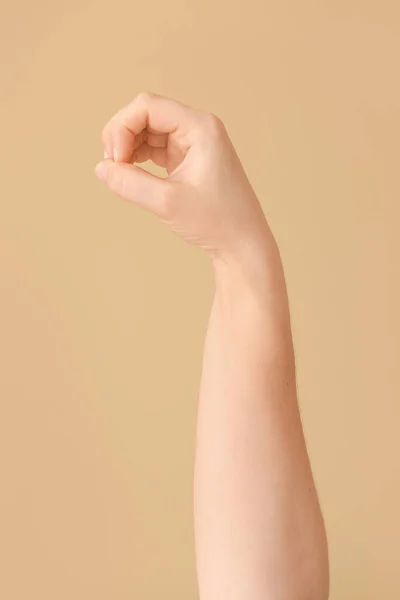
{"x": 215, "y": 125}
{"x": 143, "y": 98}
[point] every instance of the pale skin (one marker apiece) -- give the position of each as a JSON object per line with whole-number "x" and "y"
{"x": 259, "y": 530}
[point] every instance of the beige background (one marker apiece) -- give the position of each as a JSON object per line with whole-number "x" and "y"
{"x": 103, "y": 311}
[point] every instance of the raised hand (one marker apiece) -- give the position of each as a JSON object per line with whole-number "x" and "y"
{"x": 206, "y": 196}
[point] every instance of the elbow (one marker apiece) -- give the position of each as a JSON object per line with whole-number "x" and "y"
{"x": 318, "y": 589}
{"x": 309, "y": 578}
{"x": 314, "y": 581}
{"x": 314, "y": 572}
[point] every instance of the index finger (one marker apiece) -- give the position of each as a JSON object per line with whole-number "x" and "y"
{"x": 156, "y": 113}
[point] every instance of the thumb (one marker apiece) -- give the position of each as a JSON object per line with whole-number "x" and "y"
{"x": 134, "y": 184}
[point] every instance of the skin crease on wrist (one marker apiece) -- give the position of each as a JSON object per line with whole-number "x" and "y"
{"x": 259, "y": 531}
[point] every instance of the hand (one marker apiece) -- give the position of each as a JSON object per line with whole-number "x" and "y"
{"x": 206, "y": 197}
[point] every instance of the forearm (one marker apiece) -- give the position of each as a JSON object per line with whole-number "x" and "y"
{"x": 259, "y": 530}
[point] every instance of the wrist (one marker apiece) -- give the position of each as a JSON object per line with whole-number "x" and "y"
{"x": 254, "y": 269}
{"x": 250, "y": 286}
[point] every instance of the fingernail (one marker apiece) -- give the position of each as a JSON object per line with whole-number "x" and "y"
{"x": 116, "y": 155}
{"x": 101, "y": 170}
{"x": 105, "y": 154}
